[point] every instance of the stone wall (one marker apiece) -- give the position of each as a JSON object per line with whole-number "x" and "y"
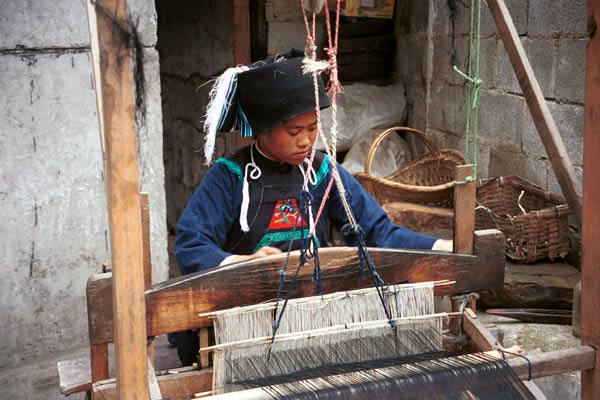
{"x": 54, "y": 231}
{"x": 554, "y": 37}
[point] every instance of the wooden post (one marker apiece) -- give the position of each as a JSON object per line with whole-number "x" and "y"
{"x": 590, "y": 230}
{"x": 242, "y": 37}
{"x": 557, "y": 152}
{"x": 147, "y": 254}
{"x": 464, "y": 210}
{"x": 111, "y": 53}
{"x": 241, "y": 32}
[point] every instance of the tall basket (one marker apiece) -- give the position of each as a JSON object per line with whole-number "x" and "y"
{"x": 429, "y": 179}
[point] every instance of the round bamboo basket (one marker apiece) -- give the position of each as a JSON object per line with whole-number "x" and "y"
{"x": 428, "y": 179}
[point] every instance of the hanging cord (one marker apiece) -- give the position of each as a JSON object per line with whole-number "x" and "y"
{"x": 473, "y": 84}
{"x": 518, "y": 355}
{"x": 334, "y": 87}
{"x": 309, "y": 242}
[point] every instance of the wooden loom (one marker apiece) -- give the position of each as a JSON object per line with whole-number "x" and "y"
{"x": 172, "y": 306}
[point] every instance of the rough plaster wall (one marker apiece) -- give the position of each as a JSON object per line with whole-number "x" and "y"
{"x": 53, "y": 234}
{"x": 286, "y": 26}
{"x": 554, "y": 37}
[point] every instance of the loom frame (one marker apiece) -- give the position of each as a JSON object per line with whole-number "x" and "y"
{"x": 131, "y": 370}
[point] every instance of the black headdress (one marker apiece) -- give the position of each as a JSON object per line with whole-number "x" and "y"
{"x": 260, "y": 97}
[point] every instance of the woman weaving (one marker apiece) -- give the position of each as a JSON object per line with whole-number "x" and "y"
{"x": 277, "y": 101}
{"x": 249, "y": 204}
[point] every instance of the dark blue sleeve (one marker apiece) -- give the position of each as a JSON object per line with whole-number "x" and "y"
{"x": 378, "y": 228}
{"x": 203, "y": 226}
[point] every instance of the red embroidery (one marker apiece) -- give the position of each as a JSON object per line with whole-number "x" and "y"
{"x": 286, "y": 215}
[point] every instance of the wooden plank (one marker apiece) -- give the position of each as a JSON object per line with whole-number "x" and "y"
{"x": 241, "y": 32}
{"x": 535, "y": 390}
{"x": 420, "y": 217}
{"x": 147, "y": 254}
{"x": 555, "y": 362}
{"x": 382, "y": 43}
{"x": 99, "y": 359}
{"x": 122, "y": 186}
{"x": 366, "y": 27}
{"x": 345, "y": 60}
{"x": 464, "y": 210}
{"x": 74, "y": 376}
{"x": 174, "y": 305}
{"x": 153, "y": 386}
{"x": 590, "y": 232}
{"x": 478, "y": 333}
{"x": 553, "y": 143}
{"x": 181, "y": 384}
{"x": 203, "y": 334}
{"x": 359, "y": 72}
{"x": 545, "y": 364}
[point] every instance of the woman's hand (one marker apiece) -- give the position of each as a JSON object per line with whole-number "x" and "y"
{"x": 443, "y": 245}
{"x": 266, "y": 251}
{"x": 262, "y": 252}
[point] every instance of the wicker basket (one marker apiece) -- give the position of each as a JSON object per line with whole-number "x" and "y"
{"x": 429, "y": 179}
{"x": 534, "y": 221}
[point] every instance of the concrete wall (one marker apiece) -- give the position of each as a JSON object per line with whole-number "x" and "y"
{"x": 54, "y": 231}
{"x": 554, "y": 36}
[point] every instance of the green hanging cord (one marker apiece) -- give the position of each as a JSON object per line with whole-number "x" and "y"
{"x": 473, "y": 85}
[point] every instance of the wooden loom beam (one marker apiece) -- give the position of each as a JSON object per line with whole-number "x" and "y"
{"x": 590, "y": 232}
{"x": 464, "y": 210}
{"x": 549, "y": 134}
{"x": 114, "y": 81}
{"x": 184, "y": 381}
{"x": 174, "y": 305}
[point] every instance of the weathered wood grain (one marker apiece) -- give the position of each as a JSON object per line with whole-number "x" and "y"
{"x": 174, "y": 305}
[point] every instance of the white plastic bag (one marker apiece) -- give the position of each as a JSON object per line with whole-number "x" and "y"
{"x": 362, "y": 107}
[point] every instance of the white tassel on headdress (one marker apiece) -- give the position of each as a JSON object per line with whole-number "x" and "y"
{"x": 218, "y": 107}
{"x": 310, "y": 67}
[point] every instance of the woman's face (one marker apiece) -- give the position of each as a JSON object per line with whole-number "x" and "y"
{"x": 292, "y": 141}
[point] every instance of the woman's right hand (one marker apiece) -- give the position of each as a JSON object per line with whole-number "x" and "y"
{"x": 262, "y": 252}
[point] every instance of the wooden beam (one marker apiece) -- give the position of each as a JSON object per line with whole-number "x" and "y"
{"x": 419, "y": 217}
{"x": 180, "y": 384}
{"x": 590, "y": 230}
{"x": 464, "y": 210}
{"x": 241, "y": 32}
{"x": 174, "y": 305}
{"x": 553, "y": 143}
{"x": 110, "y": 50}
{"x": 555, "y": 362}
{"x": 473, "y": 327}
{"x": 546, "y": 364}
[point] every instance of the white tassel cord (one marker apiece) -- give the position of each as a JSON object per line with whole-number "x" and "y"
{"x": 218, "y": 107}
{"x": 253, "y": 171}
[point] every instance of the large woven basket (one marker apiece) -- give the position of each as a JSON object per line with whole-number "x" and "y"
{"x": 534, "y": 221}
{"x": 429, "y": 179}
